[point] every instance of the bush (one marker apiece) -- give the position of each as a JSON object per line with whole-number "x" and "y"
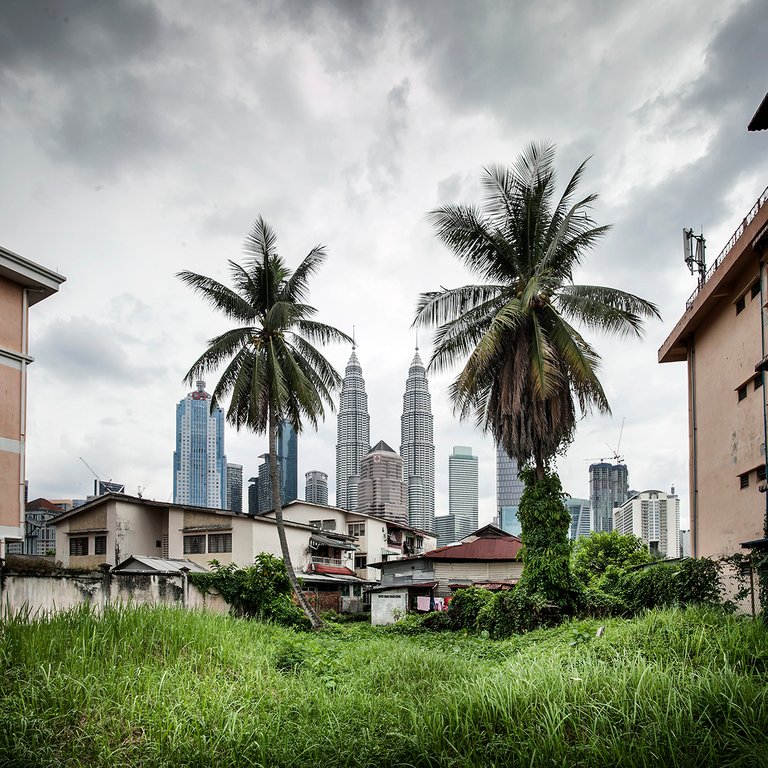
{"x": 465, "y": 606}
{"x": 653, "y": 587}
{"x": 260, "y": 591}
{"x": 698, "y": 582}
{"x": 515, "y": 612}
{"x": 600, "y": 604}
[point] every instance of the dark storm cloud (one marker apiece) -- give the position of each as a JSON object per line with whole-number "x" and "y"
{"x": 81, "y": 75}
{"x": 62, "y": 36}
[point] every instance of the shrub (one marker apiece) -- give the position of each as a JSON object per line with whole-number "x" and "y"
{"x": 653, "y": 587}
{"x": 698, "y": 582}
{"x": 515, "y": 612}
{"x": 260, "y": 591}
{"x": 465, "y": 606}
{"x": 600, "y": 604}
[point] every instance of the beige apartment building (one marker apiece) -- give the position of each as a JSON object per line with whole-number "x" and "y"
{"x": 721, "y": 336}
{"x": 22, "y": 285}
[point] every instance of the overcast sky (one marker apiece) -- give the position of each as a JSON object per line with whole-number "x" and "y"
{"x": 138, "y": 139}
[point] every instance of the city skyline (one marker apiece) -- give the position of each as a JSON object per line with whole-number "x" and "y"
{"x": 143, "y": 138}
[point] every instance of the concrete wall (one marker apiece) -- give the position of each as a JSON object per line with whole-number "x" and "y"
{"x": 388, "y": 606}
{"x": 51, "y": 594}
{"x": 729, "y": 432}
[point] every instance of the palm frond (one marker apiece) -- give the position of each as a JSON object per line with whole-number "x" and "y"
{"x": 607, "y": 310}
{"x": 219, "y": 296}
{"x": 438, "y": 307}
{"x": 296, "y": 287}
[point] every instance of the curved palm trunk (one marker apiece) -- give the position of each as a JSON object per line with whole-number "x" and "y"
{"x": 303, "y": 602}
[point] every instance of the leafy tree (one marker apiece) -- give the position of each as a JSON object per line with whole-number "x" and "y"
{"x": 525, "y": 366}
{"x": 273, "y": 370}
{"x": 594, "y": 555}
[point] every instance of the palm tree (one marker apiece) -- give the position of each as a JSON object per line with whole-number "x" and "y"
{"x": 273, "y": 370}
{"x": 526, "y": 364}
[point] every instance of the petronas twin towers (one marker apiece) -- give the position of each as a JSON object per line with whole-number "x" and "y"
{"x": 417, "y": 448}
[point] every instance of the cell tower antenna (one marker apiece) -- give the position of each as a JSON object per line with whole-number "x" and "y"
{"x": 695, "y": 260}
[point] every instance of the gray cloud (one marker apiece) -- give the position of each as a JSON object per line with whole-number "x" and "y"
{"x": 385, "y": 154}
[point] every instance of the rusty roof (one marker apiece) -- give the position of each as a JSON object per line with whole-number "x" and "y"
{"x": 485, "y": 548}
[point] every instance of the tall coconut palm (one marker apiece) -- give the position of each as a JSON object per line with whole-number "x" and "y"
{"x": 526, "y": 364}
{"x": 273, "y": 370}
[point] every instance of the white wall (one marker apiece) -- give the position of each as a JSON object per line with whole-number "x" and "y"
{"x": 387, "y": 607}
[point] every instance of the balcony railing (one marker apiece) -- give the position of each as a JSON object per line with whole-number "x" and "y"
{"x": 326, "y": 561}
{"x": 729, "y": 245}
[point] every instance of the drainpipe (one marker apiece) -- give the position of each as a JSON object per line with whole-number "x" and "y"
{"x": 694, "y": 492}
{"x": 23, "y": 406}
{"x": 762, "y": 373}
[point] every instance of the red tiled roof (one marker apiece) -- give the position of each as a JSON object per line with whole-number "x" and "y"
{"x": 486, "y": 548}
{"x": 332, "y": 570}
{"x": 42, "y": 504}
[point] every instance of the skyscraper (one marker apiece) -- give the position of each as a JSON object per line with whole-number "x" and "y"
{"x": 581, "y": 523}
{"x": 287, "y": 462}
{"x": 316, "y": 488}
{"x": 287, "y": 466}
{"x": 509, "y": 490}
{"x": 353, "y": 436}
{"x": 417, "y": 447}
{"x": 235, "y": 487}
{"x": 608, "y": 489}
{"x": 653, "y": 516}
{"x": 253, "y": 495}
{"x": 199, "y": 463}
{"x": 382, "y": 490}
{"x": 463, "y": 490}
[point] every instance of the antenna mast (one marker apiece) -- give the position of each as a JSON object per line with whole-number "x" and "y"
{"x": 695, "y": 260}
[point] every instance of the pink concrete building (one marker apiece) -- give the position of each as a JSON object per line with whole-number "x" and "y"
{"x": 722, "y": 338}
{"x": 22, "y": 284}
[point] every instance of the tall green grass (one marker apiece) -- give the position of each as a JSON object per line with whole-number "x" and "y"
{"x": 165, "y": 687}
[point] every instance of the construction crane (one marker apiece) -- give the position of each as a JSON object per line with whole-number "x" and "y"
{"x": 615, "y": 455}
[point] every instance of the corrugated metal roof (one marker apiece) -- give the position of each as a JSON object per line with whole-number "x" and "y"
{"x": 149, "y": 564}
{"x": 485, "y": 548}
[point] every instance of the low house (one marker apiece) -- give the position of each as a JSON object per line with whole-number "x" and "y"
{"x": 490, "y": 557}
{"x": 376, "y": 539}
{"x": 112, "y": 528}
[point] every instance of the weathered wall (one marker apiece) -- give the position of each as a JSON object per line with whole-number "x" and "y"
{"x": 52, "y": 594}
{"x": 387, "y": 607}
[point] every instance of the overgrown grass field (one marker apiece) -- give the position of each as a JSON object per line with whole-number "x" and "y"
{"x": 165, "y": 687}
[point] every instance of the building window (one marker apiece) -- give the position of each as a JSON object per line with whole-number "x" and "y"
{"x": 356, "y": 529}
{"x": 758, "y": 380}
{"x": 219, "y": 542}
{"x": 742, "y": 392}
{"x": 361, "y": 561}
{"x": 740, "y": 304}
{"x": 761, "y": 472}
{"x": 100, "y": 545}
{"x": 316, "y": 523}
{"x": 78, "y": 546}
{"x": 744, "y": 480}
{"x": 755, "y": 290}
{"x": 329, "y": 525}
{"x": 194, "y": 545}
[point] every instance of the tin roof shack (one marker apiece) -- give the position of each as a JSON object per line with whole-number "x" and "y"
{"x": 487, "y": 557}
